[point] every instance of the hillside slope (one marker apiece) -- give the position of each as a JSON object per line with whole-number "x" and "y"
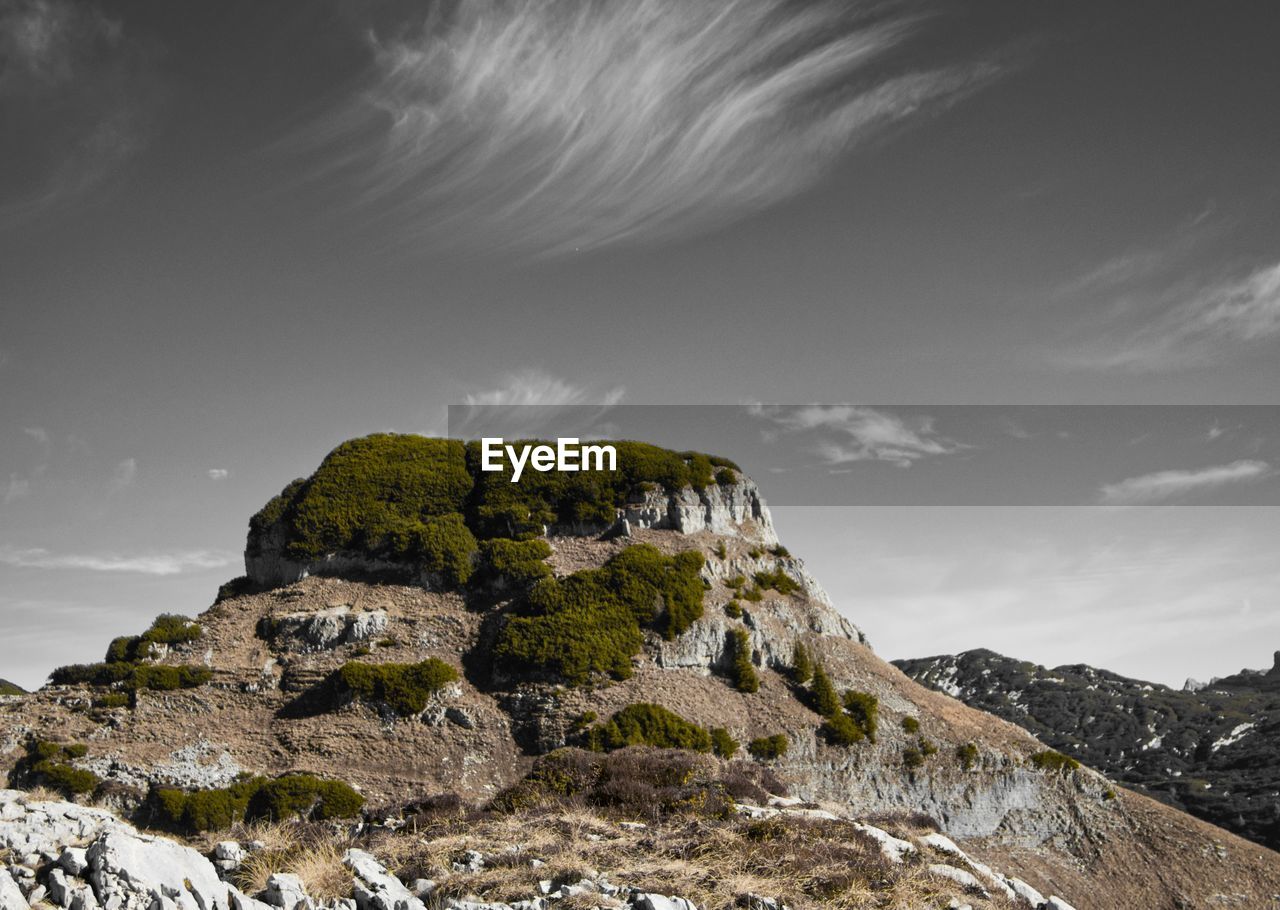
{"x": 1212, "y": 750}
{"x": 564, "y": 610}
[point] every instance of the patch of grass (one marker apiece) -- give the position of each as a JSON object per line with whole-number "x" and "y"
{"x": 404, "y": 688}
{"x": 589, "y": 623}
{"x": 767, "y": 748}
{"x": 967, "y": 755}
{"x": 720, "y": 550}
{"x": 743, "y": 673}
{"x": 911, "y": 724}
{"x": 733, "y": 609}
{"x": 646, "y": 724}
{"x": 1052, "y": 760}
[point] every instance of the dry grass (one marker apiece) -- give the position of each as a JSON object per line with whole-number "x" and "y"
{"x": 313, "y": 853}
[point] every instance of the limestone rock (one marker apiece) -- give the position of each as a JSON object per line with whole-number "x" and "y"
{"x": 10, "y": 894}
{"x": 126, "y": 866}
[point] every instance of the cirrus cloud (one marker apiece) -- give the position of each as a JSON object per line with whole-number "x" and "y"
{"x": 1163, "y": 486}
{"x": 852, "y": 433}
{"x": 549, "y": 126}
{"x": 171, "y": 563}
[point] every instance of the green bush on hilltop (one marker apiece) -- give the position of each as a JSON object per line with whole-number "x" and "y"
{"x": 517, "y": 562}
{"x": 767, "y": 748}
{"x": 722, "y": 743}
{"x": 776, "y": 580}
{"x": 1052, "y": 760}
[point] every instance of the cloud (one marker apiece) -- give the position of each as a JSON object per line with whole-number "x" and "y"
{"x": 17, "y": 488}
{"x": 549, "y": 126}
{"x": 1163, "y": 486}
{"x": 124, "y": 475}
{"x": 1194, "y": 328}
{"x": 172, "y": 563}
{"x": 39, "y": 434}
{"x": 533, "y": 402}
{"x": 218, "y": 473}
{"x": 77, "y": 92}
{"x": 852, "y": 433}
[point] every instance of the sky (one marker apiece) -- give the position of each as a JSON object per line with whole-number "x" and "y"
{"x": 234, "y": 234}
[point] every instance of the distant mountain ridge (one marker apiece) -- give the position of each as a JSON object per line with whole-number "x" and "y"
{"x": 8, "y": 688}
{"x": 1211, "y": 749}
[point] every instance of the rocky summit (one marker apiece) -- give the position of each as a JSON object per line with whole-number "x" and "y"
{"x": 1211, "y": 749}
{"x": 433, "y": 687}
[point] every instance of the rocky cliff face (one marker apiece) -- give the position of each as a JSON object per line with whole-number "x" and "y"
{"x": 274, "y": 647}
{"x": 1212, "y": 749}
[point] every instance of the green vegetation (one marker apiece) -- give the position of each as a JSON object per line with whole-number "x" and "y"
{"x": 405, "y": 688}
{"x": 825, "y": 700}
{"x": 48, "y": 764}
{"x": 912, "y": 757}
{"x": 927, "y": 747}
{"x": 441, "y": 545}
{"x": 112, "y": 700}
{"x": 781, "y": 552}
{"x": 133, "y": 677}
{"x": 736, "y": 583}
{"x": 801, "y": 664}
{"x": 840, "y": 730}
{"x": 167, "y": 629}
{"x": 767, "y": 748}
{"x": 295, "y": 795}
{"x": 504, "y": 509}
{"x": 590, "y": 622}
{"x": 864, "y": 709}
{"x": 753, "y": 594}
{"x": 911, "y": 724}
{"x": 733, "y": 610}
{"x": 648, "y": 725}
{"x": 745, "y": 678}
{"x": 967, "y": 755}
{"x": 725, "y": 477}
{"x": 1051, "y": 760}
{"x": 8, "y": 688}
{"x": 722, "y": 743}
{"x": 720, "y": 550}
{"x": 519, "y": 563}
{"x": 776, "y": 580}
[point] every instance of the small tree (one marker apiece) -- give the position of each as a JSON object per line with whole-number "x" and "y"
{"x": 745, "y": 678}
{"x": 825, "y": 700}
{"x": 801, "y": 664}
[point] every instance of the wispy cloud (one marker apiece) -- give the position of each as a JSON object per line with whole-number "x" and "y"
{"x": 1163, "y": 486}
{"x": 17, "y": 488}
{"x": 533, "y": 402}
{"x": 852, "y": 433}
{"x": 1193, "y": 327}
{"x": 218, "y": 473}
{"x": 549, "y": 126}
{"x": 77, "y": 92}
{"x": 171, "y": 563}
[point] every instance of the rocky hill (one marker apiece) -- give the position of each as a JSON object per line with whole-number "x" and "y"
{"x": 412, "y": 631}
{"x": 1210, "y": 749}
{"x": 8, "y": 688}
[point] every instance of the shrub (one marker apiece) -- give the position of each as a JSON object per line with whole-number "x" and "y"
{"x": 649, "y": 725}
{"x": 584, "y": 720}
{"x": 720, "y": 550}
{"x": 801, "y": 663}
{"x": 68, "y": 780}
{"x": 519, "y": 563}
{"x": 92, "y": 674}
{"x": 927, "y": 747}
{"x": 755, "y": 552}
{"x": 736, "y": 582}
{"x": 911, "y": 724}
{"x": 781, "y": 552}
{"x": 589, "y": 623}
{"x": 253, "y": 798}
{"x": 47, "y": 763}
{"x": 440, "y": 545}
{"x": 404, "y": 688}
{"x": 753, "y": 594}
{"x": 111, "y": 700}
{"x": 733, "y": 610}
{"x": 840, "y": 730}
{"x": 967, "y": 755}
{"x": 776, "y": 580}
{"x": 744, "y": 674}
{"x": 722, "y": 743}
{"x": 864, "y": 709}
{"x": 766, "y": 748}
{"x": 725, "y": 477}
{"x": 165, "y": 678}
{"x": 172, "y": 629}
{"x": 1051, "y": 760}
{"x": 912, "y": 757}
{"x": 825, "y": 700}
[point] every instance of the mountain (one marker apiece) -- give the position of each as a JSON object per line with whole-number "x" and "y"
{"x": 413, "y": 632}
{"x": 1209, "y": 749}
{"x": 8, "y": 688}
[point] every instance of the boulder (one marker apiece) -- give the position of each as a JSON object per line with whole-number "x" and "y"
{"x": 127, "y": 867}
{"x": 375, "y": 887}
{"x": 286, "y": 890}
{"x": 10, "y": 894}
{"x": 642, "y": 901}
